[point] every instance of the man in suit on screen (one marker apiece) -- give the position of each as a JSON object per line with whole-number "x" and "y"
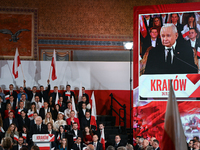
{"x": 172, "y": 57}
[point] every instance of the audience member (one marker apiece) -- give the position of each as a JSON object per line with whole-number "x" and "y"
{"x": 10, "y": 120}
{"x": 31, "y": 111}
{"x": 12, "y": 92}
{"x": 110, "y": 148}
{"x": 12, "y": 133}
{"x": 68, "y": 110}
{"x": 35, "y": 147}
{"x": 61, "y": 134}
{"x": 151, "y": 141}
{"x": 97, "y": 145}
{"x": 101, "y": 131}
{"x": 23, "y": 120}
{"x": 63, "y": 145}
{"x": 54, "y": 94}
{"x": 2, "y": 95}
{"x": 19, "y": 145}
{"x": 78, "y": 145}
{"x": 82, "y": 111}
{"x": 88, "y": 121}
{"x": 31, "y": 94}
{"x": 2, "y": 107}
{"x": 90, "y": 147}
{"x": 48, "y": 118}
{"x": 87, "y": 135}
{"x": 62, "y": 104}
{"x": 43, "y": 111}
{"x": 19, "y": 95}
{"x": 18, "y": 110}
{"x": 190, "y": 145}
{"x": 59, "y": 122}
{"x": 67, "y": 95}
{"x": 118, "y": 142}
{"x": 56, "y": 111}
{"x": 196, "y": 145}
{"x": 25, "y": 134}
{"x": 38, "y": 104}
{"x": 85, "y": 94}
{"x": 32, "y": 122}
{"x": 6, "y": 143}
{"x": 27, "y": 104}
{"x": 8, "y": 110}
{"x": 44, "y": 93}
{"x": 12, "y": 102}
{"x": 156, "y": 144}
{"x": 72, "y": 119}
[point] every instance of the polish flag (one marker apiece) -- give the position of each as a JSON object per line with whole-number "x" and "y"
{"x": 16, "y": 137}
{"x": 19, "y": 111}
{"x": 143, "y": 29}
{"x": 94, "y": 112}
{"x": 185, "y": 33}
{"x": 2, "y": 130}
{"x": 16, "y": 64}
{"x": 102, "y": 140}
{"x": 68, "y": 94}
{"x": 57, "y": 98}
{"x": 53, "y": 65}
{"x": 74, "y": 106}
{"x": 173, "y": 136}
{"x": 42, "y": 102}
{"x": 80, "y": 93}
{"x": 7, "y": 97}
{"x": 30, "y": 114}
{"x": 24, "y": 135}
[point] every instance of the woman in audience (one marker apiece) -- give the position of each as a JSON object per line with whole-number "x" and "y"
{"x": 48, "y": 118}
{"x": 157, "y": 24}
{"x": 63, "y": 145}
{"x": 12, "y": 132}
{"x": 87, "y": 135}
{"x": 26, "y": 136}
{"x": 61, "y": 134}
{"x": 191, "y": 23}
{"x": 56, "y": 111}
{"x": 31, "y": 111}
{"x": 59, "y": 122}
{"x": 8, "y": 109}
{"x": 72, "y": 119}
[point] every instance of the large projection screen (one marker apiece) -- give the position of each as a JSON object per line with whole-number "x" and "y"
{"x": 166, "y": 46}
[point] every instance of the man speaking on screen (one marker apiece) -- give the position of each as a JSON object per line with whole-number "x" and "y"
{"x": 173, "y": 56}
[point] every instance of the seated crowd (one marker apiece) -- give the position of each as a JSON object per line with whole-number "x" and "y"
{"x": 26, "y": 113}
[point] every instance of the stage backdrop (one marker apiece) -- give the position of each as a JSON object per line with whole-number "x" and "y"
{"x": 151, "y": 81}
{"x": 103, "y": 78}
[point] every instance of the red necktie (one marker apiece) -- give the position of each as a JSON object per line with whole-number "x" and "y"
{"x": 10, "y": 92}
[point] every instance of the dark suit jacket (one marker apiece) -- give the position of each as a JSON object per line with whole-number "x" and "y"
{"x": 14, "y": 93}
{"x": 34, "y": 129}
{"x": 53, "y": 95}
{"x": 63, "y": 107}
{"x": 15, "y": 147}
{"x": 99, "y": 146}
{"x": 71, "y": 135}
{"x": 75, "y": 147}
{"x": 166, "y": 18}
{"x": 183, "y": 55}
{"x": 197, "y": 44}
{"x": 120, "y": 144}
{"x": 14, "y": 104}
{"x": 65, "y": 98}
{"x": 42, "y": 112}
{"x": 147, "y": 43}
{"x": 85, "y": 122}
{"x": 98, "y": 132}
{"x": 45, "y": 94}
{"x": 2, "y": 109}
{"x": 27, "y": 105}
{"x": 30, "y": 94}
{"x": 25, "y": 122}
{"x": 6, "y": 123}
{"x": 87, "y": 98}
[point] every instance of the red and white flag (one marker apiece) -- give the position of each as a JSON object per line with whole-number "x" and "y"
{"x": 185, "y": 33}
{"x": 80, "y": 93}
{"x": 42, "y": 102}
{"x": 94, "y": 112}
{"x": 53, "y": 65}
{"x": 68, "y": 94}
{"x": 198, "y": 51}
{"x": 16, "y": 64}
{"x": 74, "y": 106}
{"x": 173, "y": 136}
{"x": 7, "y": 97}
{"x": 143, "y": 29}
{"x": 102, "y": 140}
{"x": 30, "y": 114}
{"x": 24, "y": 135}
{"x": 2, "y": 130}
{"x": 16, "y": 137}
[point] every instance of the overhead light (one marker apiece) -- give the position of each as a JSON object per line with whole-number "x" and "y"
{"x": 128, "y": 45}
